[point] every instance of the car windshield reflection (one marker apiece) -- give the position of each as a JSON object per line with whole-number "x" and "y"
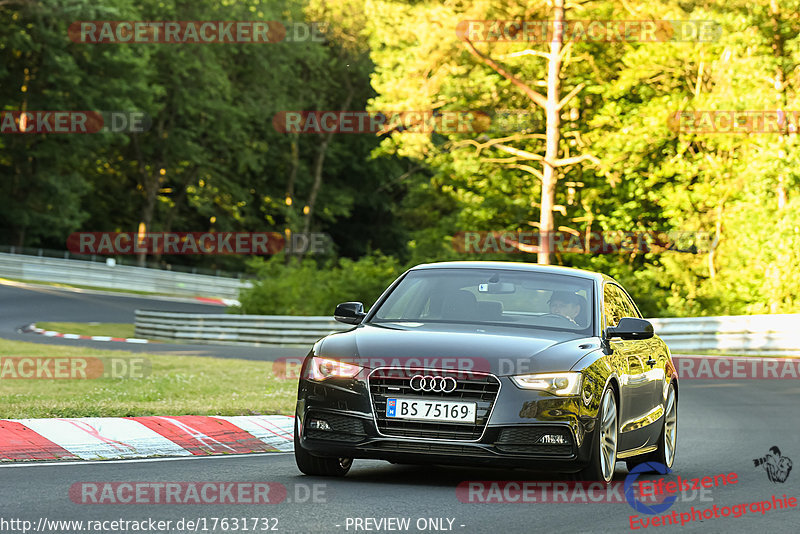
{"x": 490, "y": 297}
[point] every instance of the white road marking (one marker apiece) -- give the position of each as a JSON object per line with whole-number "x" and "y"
{"x": 274, "y": 430}
{"x": 140, "y": 460}
{"x": 95, "y": 438}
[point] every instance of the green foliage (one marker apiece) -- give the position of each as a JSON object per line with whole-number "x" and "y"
{"x": 307, "y": 288}
{"x": 649, "y": 177}
{"x": 214, "y": 162}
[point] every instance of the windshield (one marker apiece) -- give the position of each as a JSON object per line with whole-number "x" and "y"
{"x": 490, "y": 296}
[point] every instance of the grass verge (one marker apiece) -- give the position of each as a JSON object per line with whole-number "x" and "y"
{"x": 175, "y": 385}
{"x": 91, "y": 329}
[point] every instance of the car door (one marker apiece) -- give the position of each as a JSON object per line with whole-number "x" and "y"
{"x": 637, "y": 386}
{"x": 656, "y": 361}
{"x": 653, "y": 362}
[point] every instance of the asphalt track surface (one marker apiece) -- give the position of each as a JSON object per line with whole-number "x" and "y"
{"x": 723, "y": 425}
{"x": 23, "y": 304}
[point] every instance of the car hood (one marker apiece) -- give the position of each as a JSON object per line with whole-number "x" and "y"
{"x": 499, "y": 350}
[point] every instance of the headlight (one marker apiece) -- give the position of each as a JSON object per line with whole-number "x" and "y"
{"x": 324, "y": 368}
{"x": 562, "y": 384}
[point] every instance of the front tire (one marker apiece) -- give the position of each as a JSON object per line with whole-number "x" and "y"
{"x": 318, "y": 465}
{"x": 604, "y": 447}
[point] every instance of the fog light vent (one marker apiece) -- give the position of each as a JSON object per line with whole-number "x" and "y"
{"x": 553, "y": 439}
{"x": 318, "y": 424}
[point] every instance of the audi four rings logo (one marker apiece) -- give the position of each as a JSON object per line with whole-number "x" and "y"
{"x": 434, "y": 384}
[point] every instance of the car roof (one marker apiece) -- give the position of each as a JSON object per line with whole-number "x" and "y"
{"x": 514, "y": 266}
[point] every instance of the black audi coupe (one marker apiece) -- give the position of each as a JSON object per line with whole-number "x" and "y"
{"x": 490, "y": 364}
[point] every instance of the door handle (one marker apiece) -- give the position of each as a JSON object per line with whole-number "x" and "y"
{"x": 651, "y": 362}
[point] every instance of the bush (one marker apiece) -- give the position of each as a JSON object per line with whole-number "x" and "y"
{"x": 308, "y": 288}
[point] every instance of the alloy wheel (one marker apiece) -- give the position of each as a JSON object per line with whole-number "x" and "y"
{"x": 608, "y": 436}
{"x": 670, "y": 428}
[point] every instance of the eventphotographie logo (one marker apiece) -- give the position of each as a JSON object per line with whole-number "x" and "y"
{"x": 777, "y": 467}
{"x": 636, "y": 504}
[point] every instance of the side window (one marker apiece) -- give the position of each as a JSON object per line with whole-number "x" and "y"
{"x": 627, "y": 303}
{"x": 612, "y": 307}
{"x": 617, "y": 305}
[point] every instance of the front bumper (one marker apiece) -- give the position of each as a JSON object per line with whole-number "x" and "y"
{"x": 517, "y": 419}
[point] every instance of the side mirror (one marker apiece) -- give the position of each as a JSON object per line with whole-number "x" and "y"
{"x": 631, "y": 328}
{"x": 351, "y": 312}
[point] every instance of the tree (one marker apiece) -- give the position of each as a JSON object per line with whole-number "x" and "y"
{"x": 44, "y": 176}
{"x": 488, "y": 85}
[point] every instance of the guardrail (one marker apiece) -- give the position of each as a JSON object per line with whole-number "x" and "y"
{"x": 731, "y": 333}
{"x": 743, "y": 333}
{"x": 88, "y": 273}
{"x": 234, "y": 329}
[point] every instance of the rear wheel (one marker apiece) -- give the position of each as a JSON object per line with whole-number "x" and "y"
{"x": 604, "y": 448}
{"x": 668, "y": 440}
{"x": 318, "y": 465}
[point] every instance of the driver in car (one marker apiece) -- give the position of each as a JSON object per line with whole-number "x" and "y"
{"x": 566, "y": 304}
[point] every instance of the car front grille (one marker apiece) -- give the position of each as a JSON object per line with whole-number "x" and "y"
{"x": 476, "y": 387}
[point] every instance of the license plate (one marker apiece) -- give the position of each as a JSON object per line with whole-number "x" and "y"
{"x": 431, "y": 410}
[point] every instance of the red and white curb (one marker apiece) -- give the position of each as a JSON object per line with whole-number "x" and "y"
{"x": 221, "y": 302}
{"x": 112, "y": 438}
{"x": 32, "y": 328}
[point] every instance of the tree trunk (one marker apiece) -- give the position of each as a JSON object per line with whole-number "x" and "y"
{"x": 778, "y": 51}
{"x": 151, "y": 193}
{"x": 295, "y": 150}
{"x": 179, "y": 198}
{"x": 553, "y": 134}
{"x": 319, "y": 165}
{"x": 151, "y": 182}
{"x": 21, "y": 239}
